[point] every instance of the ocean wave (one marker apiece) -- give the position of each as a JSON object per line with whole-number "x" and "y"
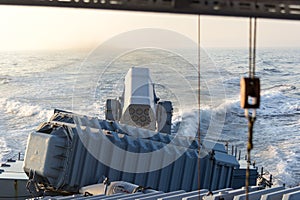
{"x": 187, "y": 121}
{"x": 3, "y": 149}
{"x": 283, "y": 174}
{"x": 21, "y": 109}
{"x": 4, "y": 81}
{"x": 20, "y": 119}
{"x": 279, "y": 88}
{"x": 271, "y": 70}
{"x": 273, "y": 103}
{"x": 281, "y": 162}
{"x": 278, "y": 104}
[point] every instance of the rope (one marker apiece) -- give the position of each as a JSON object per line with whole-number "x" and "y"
{"x": 252, "y": 118}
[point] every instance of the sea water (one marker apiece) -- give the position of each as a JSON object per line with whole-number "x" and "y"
{"x": 33, "y": 84}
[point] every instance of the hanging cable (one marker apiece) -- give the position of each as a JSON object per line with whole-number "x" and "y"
{"x": 250, "y": 96}
{"x": 250, "y": 45}
{"x": 254, "y": 50}
{"x": 198, "y": 131}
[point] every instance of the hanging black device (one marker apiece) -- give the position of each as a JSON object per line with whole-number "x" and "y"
{"x": 250, "y": 92}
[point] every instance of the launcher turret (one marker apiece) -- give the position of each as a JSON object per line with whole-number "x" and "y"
{"x": 139, "y": 105}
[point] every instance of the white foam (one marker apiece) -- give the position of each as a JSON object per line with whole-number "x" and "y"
{"x": 281, "y": 161}
{"x": 4, "y": 81}
{"x": 284, "y": 175}
{"x": 267, "y": 153}
{"x": 3, "y": 148}
{"x": 20, "y": 109}
{"x": 273, "y": 103}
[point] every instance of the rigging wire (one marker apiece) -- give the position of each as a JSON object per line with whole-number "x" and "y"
{"x": 198, "y": 131}
{"x": 254, "y": 50}
{"x": 250, "y": 45}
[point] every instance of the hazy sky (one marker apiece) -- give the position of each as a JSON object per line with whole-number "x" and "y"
{"x": 35, "y": 28}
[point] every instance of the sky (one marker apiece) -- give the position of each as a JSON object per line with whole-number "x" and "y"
{"x": 41, "y": 28}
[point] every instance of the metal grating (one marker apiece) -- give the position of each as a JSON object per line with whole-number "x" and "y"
{"x": 279, "y": 193}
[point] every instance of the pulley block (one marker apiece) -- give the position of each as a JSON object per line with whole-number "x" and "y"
{"x": 250, "y": 92}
